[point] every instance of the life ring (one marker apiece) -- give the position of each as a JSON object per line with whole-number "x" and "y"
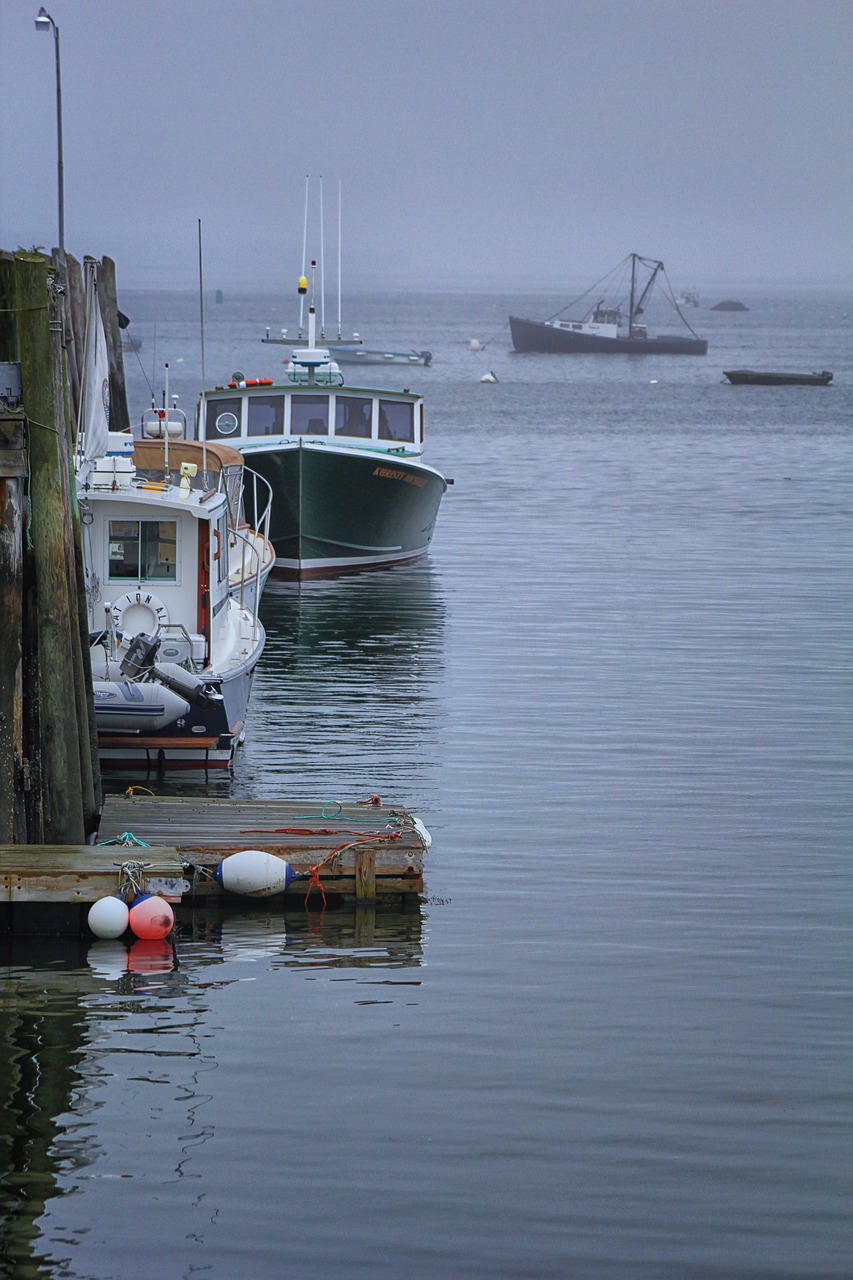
{"x": 139, "y": 610}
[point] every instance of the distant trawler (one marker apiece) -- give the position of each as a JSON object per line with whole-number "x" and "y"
{"x": 605, "y": 330}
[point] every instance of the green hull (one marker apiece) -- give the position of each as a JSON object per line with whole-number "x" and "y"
{"x": 337, "y": 510}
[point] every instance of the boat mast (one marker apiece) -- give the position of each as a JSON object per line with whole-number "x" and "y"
{"x": 339, "y": 259}
{"x": 201, "y": 320}
{"x": 304, "y": 254}
{"x": 633, "y": 288}
{"x": 322, "y": 267}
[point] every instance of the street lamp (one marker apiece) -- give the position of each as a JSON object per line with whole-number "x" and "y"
{"x": 44, "y": 22}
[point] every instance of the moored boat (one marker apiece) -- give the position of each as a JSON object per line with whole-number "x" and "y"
{"x": 173, "y": 651}
{"x": 770, "y": 378}
{"x": 378, "y": 355}
{"x": 606, "y": 329}
{"x": 350, "y": 488}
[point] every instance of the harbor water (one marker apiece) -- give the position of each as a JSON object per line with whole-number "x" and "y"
{"x": 613, "y": 1041}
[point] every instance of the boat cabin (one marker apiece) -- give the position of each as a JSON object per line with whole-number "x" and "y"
{"x": 258, "y": 413}
{"x": 156, "y": 536}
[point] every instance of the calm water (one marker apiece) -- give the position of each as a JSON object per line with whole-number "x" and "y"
{"x": 614, "y": 1041}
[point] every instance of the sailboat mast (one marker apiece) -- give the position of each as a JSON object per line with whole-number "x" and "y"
{"x": 322, "y": 267}
{"x": 304, "y": 254}
{"x": 633, "y": 290}
{"x": 339, "y": 259}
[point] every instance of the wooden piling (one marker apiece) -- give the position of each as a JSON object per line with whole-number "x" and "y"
{"x": 54, "y": 732}
{"x": 12, "y": 466}
{"x": 365, "y": 875}
{"x": 119, "y": 417}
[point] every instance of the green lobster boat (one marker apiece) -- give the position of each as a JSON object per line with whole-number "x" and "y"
{"x": 350, "y": 489}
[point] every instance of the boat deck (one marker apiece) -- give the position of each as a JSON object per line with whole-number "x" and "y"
{"x": 360, "y": 852}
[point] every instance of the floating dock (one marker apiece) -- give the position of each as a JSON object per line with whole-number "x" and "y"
{"x": 362, "y": 853}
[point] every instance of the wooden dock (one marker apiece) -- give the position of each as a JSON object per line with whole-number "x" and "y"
{"x": 362, "y": 853}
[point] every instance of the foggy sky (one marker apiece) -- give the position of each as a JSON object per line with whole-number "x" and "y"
{"x": 510, "y": 144}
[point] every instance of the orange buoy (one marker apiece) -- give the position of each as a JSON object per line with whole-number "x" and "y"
{"x": 151, "y": 917}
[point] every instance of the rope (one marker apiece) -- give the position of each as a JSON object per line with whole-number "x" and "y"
{"x": 131, "y": 878}
{"x": 314, "y": 872}
{"x": 127, "y": 837}
{"x": 131, "y": 791}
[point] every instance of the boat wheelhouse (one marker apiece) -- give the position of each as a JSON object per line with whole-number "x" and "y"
{"x": 350, "y": 488}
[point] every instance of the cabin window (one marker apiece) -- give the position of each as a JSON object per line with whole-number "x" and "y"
{"x": 266, "y": 415}
{"x": 396, "y": 420}
{"x": 309, "y": 416}
{"x": 353, "y": 415}
{"x": 143, "y": 550}
{"x": 223, "y": 418}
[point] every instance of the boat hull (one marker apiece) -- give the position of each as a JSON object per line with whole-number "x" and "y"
{"x": 342, "y": 510}
{"x": 536, "y": 335}
{"x": 758, "y": 378}
{"x": 363, "y": 355}
{"x": 203, "y": 739}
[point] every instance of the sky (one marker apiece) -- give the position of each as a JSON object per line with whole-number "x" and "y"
{"x": 495, "y": 144}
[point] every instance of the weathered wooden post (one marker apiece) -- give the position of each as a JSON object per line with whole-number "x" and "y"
{"x": 13, "y": 828}
{"x": 365, "y": 875}
{"x": 53, "y": 731}
{"x": 119, "y": 417}
{"x": 78, "y": 638}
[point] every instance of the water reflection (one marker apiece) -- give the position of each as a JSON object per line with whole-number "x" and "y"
{"x": 347, "y": 693}
{"x": 365, "y": 938}
{"x": 92, "y": 1032}
{"x": 347, "y": 698}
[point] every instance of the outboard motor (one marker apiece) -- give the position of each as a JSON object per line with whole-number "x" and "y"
{"x": 140, "y": 656}
{"x": 188, "y": 685}
{"x": 426, "y": 356}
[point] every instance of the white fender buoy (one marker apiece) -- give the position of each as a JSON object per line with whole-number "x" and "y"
{"x": 108, "y": 917}
{"x": 254, "y": 873}
{"x": 422, "y": 832}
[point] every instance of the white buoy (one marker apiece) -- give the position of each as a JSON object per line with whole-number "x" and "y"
{"x": 108, "y": 917}
{"x": 474, "y": 345}
{"x": 488, "y": 377}
{"x": 254, "y": 873}
{"x": 422, "y": 832}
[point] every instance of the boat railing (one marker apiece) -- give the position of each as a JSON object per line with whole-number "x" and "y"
{"x": 259, "y": 493}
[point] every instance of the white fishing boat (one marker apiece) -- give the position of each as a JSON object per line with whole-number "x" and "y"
{"x": 173, "y": 645}
{"x": 173, "y": 649}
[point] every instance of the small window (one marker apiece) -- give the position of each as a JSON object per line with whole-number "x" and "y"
{"x": 353, "y": 416}
{"x": 309, "y": 416}
{"x": 143, "y": 550}
{"x": 266, "y": 415}
{"x": 223, "y": 418}
{"x": 396, "y": 421}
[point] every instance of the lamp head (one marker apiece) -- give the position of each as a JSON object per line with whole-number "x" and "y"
{"x": 44, "y": 21}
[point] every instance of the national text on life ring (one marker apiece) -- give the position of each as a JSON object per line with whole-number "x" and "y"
{"x": 139, "y": 610}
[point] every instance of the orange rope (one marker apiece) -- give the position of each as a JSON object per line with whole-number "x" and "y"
{"x": 314, "y": 872}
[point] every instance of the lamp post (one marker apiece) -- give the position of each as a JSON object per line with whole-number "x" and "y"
{"x": 44, "y": 22}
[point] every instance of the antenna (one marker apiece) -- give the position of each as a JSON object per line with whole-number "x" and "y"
{"x": 304, "y": 253}
{"x": 201, "y": 318}
{"x": 166, "y": 428}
